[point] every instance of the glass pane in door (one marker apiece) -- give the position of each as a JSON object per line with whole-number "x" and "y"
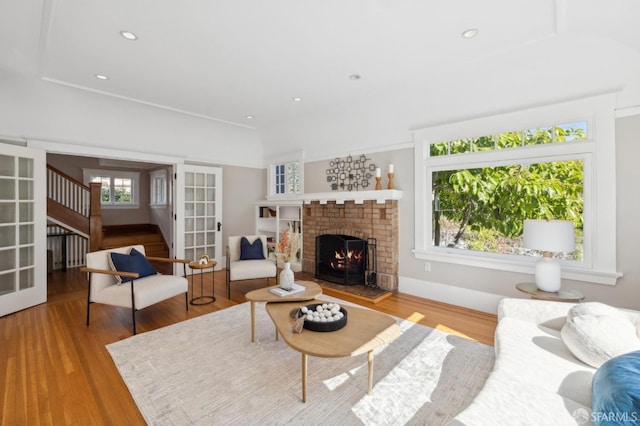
{"x": 7, "y": 165}
{"x": 7, "y": 212}
{"x": 7, "y": 283}
{"x": 7, "y": 189}
{"x": 26, "y": 279}
{"x": 7, "y": 236}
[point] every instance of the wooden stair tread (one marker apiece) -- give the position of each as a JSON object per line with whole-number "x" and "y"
{"x": 127, "y": 235}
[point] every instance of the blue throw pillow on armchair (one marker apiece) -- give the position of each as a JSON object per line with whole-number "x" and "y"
{"x": 132, "y": 262}
{"x": 615, "y": 391}
{"x": 250, "y": 251}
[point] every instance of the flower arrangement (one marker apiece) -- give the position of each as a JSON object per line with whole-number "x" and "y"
{"x": 287, "y": 248}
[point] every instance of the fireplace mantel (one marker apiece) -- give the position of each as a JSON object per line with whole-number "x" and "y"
{"x": 358, "y": 197}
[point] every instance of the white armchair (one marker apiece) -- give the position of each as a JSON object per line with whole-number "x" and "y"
{"x": 138, "y": 293}
{"x": 238, "y": 270}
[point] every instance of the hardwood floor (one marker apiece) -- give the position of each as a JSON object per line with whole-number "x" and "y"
{"x": 56, "y": 370}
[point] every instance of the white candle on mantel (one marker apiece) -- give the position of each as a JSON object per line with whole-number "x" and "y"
{"x": 378, "y": 172}
{"x": 390, "y": 168}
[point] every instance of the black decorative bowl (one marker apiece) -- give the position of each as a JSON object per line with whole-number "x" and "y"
{"x": 323, "y": 326}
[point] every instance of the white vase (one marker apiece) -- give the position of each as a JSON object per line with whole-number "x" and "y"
{"x": 286, "y": 276}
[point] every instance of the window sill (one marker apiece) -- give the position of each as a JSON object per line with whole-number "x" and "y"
{"x": 118, "y": 206}
{"x": 522, "y": 266}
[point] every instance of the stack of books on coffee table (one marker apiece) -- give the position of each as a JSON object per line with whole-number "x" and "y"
{"x": 295, "y": 288}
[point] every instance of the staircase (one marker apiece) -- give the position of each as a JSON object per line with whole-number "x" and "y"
{"x": 146, "y": 234}
{"x": 126, "y": 235}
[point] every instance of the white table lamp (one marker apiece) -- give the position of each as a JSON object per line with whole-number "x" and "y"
{"x": 548, "y": 236}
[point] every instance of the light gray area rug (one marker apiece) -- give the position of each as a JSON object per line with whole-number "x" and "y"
{"x": 206, "y": 371}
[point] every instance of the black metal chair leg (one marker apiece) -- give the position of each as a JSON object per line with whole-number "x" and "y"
{"x": 88, "y": 298}
{"x": 133, "y": 307}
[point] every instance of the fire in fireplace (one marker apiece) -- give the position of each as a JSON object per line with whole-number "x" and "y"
{"x": 341, "y": 259}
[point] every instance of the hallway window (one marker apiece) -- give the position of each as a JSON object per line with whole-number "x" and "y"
{"x": 158, "y": 183}
{"x": 119, "y": 189}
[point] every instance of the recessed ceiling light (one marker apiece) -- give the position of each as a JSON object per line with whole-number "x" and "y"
{"x": 296, "y": 99}
{"x": 102, "y": 77}
{"x": 128, "y": 35}
{"x": 470, "y": 33}
{"x": 354, "y": 77}
{"x": 248, "y": 117}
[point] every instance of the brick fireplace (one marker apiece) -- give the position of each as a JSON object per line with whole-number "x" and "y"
{"x": 366, "y": 219}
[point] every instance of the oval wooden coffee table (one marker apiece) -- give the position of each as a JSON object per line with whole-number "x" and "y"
{"x": 312, "y": 290}
{"x": 365, "y": 331}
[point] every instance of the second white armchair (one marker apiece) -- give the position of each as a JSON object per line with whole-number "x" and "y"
{"x": 248, "y": 259}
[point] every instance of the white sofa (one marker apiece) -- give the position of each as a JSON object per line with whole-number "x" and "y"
{"x": 536, "y": 380}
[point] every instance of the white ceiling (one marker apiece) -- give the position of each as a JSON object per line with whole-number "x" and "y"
{"x": 226, "y": 59}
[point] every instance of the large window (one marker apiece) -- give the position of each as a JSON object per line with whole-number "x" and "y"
{"x": 119, "y": 189}
{"x": 477, "y": 181}
{"x": 483, "y": 208}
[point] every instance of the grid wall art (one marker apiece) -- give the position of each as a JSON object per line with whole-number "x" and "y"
{"x": 350, "y": 173}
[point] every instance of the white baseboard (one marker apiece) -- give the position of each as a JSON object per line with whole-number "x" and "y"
{"x": 472, "y": 299}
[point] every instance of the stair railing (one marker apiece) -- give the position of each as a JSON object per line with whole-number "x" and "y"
{"x": 75, "y": 206}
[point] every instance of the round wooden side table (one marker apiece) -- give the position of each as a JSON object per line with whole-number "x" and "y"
{"x": 564, "y": 295}
{"x": 203, "y": 299}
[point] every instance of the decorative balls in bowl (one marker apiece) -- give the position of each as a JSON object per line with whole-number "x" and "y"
{"x": 323, "y": 316}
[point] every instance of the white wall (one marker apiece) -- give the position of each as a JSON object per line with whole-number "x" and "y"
{"x": 162, "y": 215}
{"x": 241, "y": 188}
{"x": 35, "y": 109}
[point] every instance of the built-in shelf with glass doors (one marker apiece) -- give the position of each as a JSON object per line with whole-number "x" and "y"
{"x": 272, "y": 218}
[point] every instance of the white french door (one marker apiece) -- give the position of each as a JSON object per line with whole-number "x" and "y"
{"x": 23, "y": 214}
{"x": 198, "y": 207}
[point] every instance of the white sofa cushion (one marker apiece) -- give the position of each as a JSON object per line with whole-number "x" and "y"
{"x": 507, "y": 400}
{"x": 148, "y": 291}
{"x": 534, "y": 354}
{"x": 544, "y": 312}
{"x": 250, "y": 269}
{"x": 596, "y": 332}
